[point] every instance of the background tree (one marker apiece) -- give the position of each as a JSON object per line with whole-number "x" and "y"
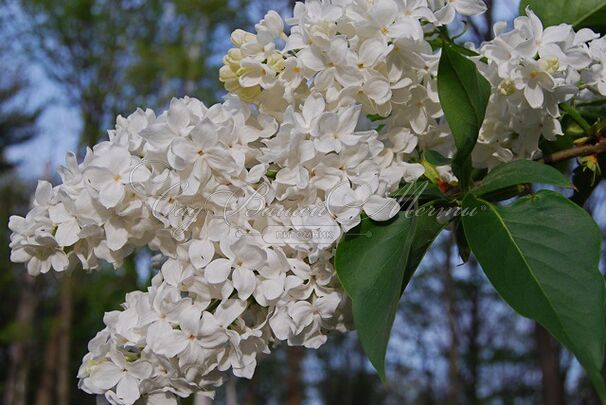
{"x": 17, "y": 125}
{"x": 107, "y": 57}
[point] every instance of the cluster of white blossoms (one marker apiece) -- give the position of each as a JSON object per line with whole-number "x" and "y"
{"x": 374, "y": 55}
{"x": 245, "y": 257}
{"x": 245, "y": 201}
{"x": 532, "y": 71}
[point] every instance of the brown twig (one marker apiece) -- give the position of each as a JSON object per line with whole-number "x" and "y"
{"x": 577, "y": 151}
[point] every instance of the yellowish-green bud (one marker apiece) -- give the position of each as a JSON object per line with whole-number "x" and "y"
{"x": 506, "y": 87}
{"x": 276, "y": 62}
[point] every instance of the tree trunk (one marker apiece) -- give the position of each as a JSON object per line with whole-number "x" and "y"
{"x": 231, "y": 395}
{"x": 18, "y": 361}
{"x": 451, "y": 310}
{"x": 549, "y": 360}
{"x": 294, "y": 394}
{"x": 473, "y": 346}
{"x": 64, "y": 378}
{"x": 45, "y": 394}
{"x": 92, "y": 126}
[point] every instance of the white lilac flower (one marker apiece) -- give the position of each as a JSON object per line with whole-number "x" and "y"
{"x": 231, "y": 198}
{"x": 445, "y": 10}
{"x": 124, "y": 375}
{"x": 532, "y": 71}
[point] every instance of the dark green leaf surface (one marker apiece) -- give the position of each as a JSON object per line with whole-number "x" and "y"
{"x": 435, "y": 158}
{"x": 579, "y": 13}
{"x": 427, "y": 229}
{"x": 370, "y": 262}
{"x": 541, "y": 254}
{"x": 419, "y": 190}
{"x": 462, "y": 244}
{"x": 464, "y": 94}
{"x": 520, "y": 172}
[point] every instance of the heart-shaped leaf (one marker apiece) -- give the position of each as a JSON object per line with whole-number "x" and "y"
{"x": 541, "y": 254}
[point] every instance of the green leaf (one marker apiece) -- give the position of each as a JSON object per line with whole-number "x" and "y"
{"x": 464, "y": 95}
{"x": 579, "y": 13}
{"x": 520, "y": 172}
{"x": 427, "y": 229}
{"x": 541, "y": 254}
{"x": 462, "y": 244}
{"x": 420, "y": 190}
{"x": 370, "y": 261}
{"x": 435, "y": 158}
{"x": 376, "y": 117}
{"x": 577, "y": 117}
